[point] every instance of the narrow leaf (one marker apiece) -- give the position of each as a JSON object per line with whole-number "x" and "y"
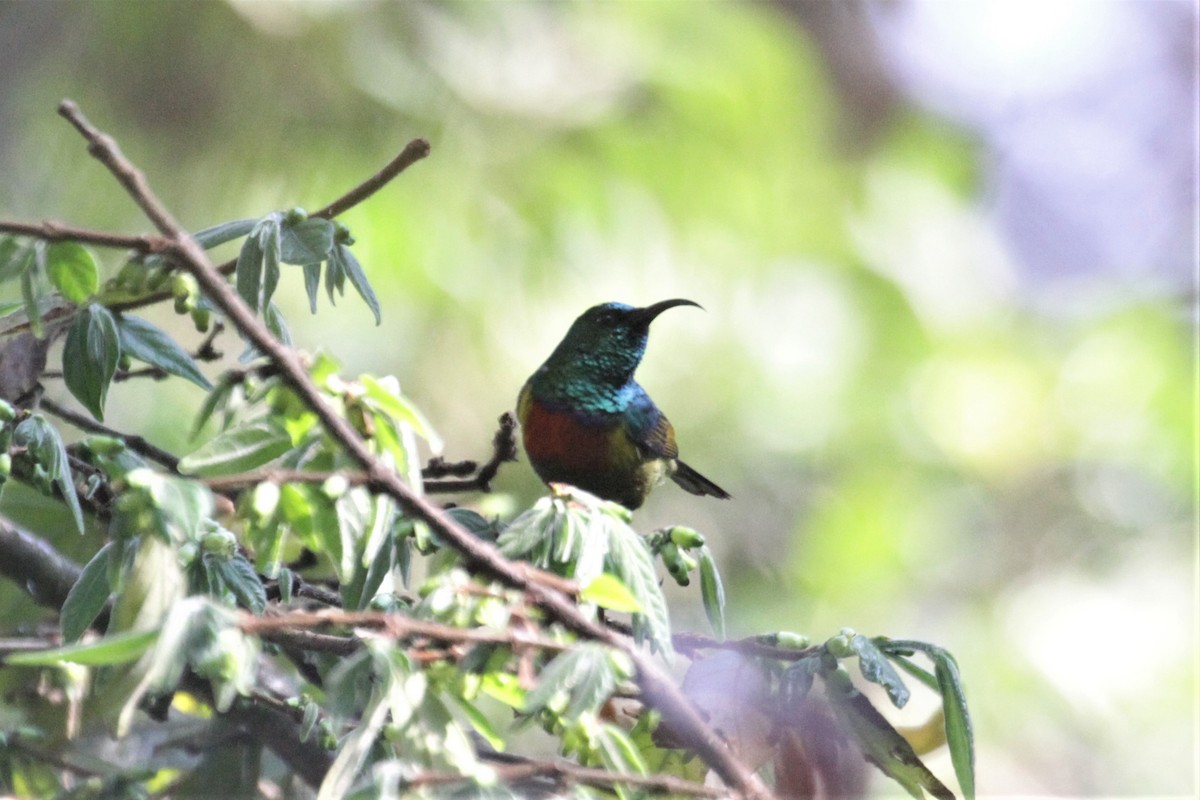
{"x": 216, "y": 401}
{"x": 959, "y": 735}
{"x": 119, "y": 648}
{"x": 238, "y": 449}
{"x": 90, "y": 357}
{"x": 72, "y": 270}
{"x": 358, "y": 279}
{"x": 148, "y": 343}
{"x": 883, "y": 745}
{"x": 312, "y": 283}
{"x": 248, "y": 275}
{"x": 712, "y": 592}
{"x": 32, "y": 309}
{"x": 306, "y": 242}
{"x": 270, "y": 242}
{"x": 224, "y": 232}
{"x": 87, "y": 597}
{"x": 45, "y": 445}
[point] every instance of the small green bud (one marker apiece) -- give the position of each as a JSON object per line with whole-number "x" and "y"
{"x": 183, "y": 304}
{"x": 201, "y": 318}
{"x": 686, "y": 538}
{"x": 7, "y": 412}
{"x": 104, "y": 445}
{"x": 178, "y": 285}
{"x": 125, "y": 362}
{"x": 295, "y": 215}
{"x": 5, "y": 465}
{"x": 792, "y": 641}
{"x": 839, "y": 646}
{"x": 341, "y": 234}
{"x": 220, "y": 542}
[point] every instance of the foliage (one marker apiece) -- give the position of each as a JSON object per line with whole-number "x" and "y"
{"x": 214, "y": 569}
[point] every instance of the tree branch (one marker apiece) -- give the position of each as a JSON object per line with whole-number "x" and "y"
{"x": 135, "y": 443}
{"x": 51, "y": 231}
{"x": 656, "y": 685}
{"x": 34, "y": 565}
{"x": 413, "y": 152}
{"x": 504, "y": 448}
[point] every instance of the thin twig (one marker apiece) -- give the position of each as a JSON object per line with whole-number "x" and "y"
{"x": 51, "y": 231}
{"x": 659, "y": 689}
{"x": 413, "y": 152}
{"x": 504, "y": 449}
{"x": 135, "y": 443}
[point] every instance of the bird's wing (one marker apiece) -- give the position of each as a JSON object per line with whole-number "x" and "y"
{"x": 649, "y": 428}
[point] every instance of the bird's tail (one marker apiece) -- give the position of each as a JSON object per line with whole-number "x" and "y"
{"x": 696, "y": 483}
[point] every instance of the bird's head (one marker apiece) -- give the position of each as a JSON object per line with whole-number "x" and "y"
{"x": 606, "y": 342}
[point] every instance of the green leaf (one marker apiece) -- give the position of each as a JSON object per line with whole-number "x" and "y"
{"x": 478, "y": 720}
{"x": 306, "y": 242}
{"x": 617, "y": 750}
{"x": 146, "y": 342}
{"x": 276, "y": 324}
{"x": 312, "y": 283}
{"x": 90, "y": 357}
{"x": 224, "y": 232}
{"x": 629, "y": 559}
{"x": 882, "y": 744}
{"x": 269, "y": 240}
{"x": 384, "y": 395}
{"x": 119, "y": 648}
{"x": 10, "y": 266}
{"x": 239, "y": 576}
{"x": 72, "y": 270}
{"x": 586, "y": 676}
{"x": 959, "y": 735}
{"x": 45, "y": 446}
{"x": 239, "y": 449}
{"x": 608, "y": 592}
{"x": 180, "y": 502}
{"x": 217, "y": 399}
{"x": 876, "y": 668}
{"x": 15, "y": 258}
{"x": 712, "y": 592}
{"x": 29, "y": 295}
{"x": 87, "y": 597}
{"x": 249, "y": 272}
{"x": 358, "y": 278}
{"x": 335, "y": 275}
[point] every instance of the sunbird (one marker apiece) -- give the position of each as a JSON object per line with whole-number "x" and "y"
{"x": 585, "y": 421}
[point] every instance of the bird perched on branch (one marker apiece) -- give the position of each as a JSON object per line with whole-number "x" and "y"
{"x": 585, "y": 421}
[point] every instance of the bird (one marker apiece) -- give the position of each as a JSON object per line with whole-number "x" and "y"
{"x": 586, "y": 422}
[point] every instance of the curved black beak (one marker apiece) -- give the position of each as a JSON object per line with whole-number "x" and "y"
{"x": 644, "y": 316}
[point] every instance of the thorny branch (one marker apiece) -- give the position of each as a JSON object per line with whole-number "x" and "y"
{"x": 657, "y": 687}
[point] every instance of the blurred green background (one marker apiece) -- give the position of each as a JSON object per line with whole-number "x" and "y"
{"x": 951, "y": 404}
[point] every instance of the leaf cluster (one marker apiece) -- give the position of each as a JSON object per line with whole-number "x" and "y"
{"x": 219, "y": 568}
